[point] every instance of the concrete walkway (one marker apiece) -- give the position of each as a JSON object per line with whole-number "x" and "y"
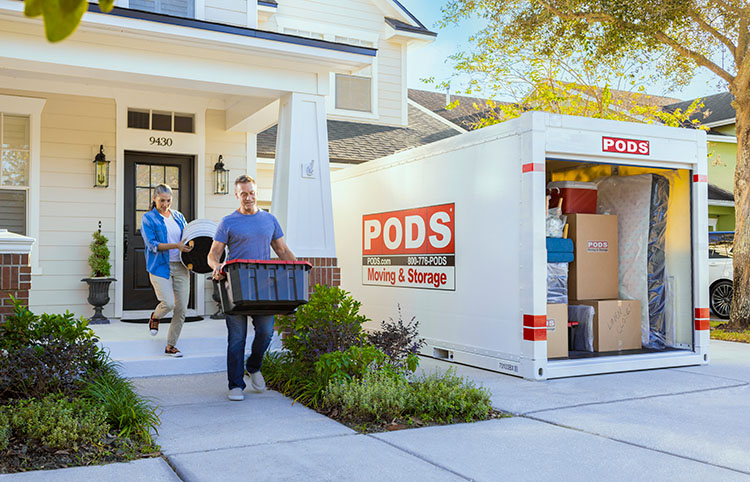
{"x": 672, "y": 424}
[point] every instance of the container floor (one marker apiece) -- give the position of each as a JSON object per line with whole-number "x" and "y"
{"x": 572, "y": 355}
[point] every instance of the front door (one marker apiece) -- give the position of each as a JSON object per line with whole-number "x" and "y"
{"x": 143, "y": 171}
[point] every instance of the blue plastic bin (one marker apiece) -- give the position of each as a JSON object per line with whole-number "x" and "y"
{"x": 256, "y": 287}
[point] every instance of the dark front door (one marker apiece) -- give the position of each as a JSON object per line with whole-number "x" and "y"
{"x": 143, "y": 171}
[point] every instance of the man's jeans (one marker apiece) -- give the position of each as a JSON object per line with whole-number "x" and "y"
{"x": 237, "y": 328}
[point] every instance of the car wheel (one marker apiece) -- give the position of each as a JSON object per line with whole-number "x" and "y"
{"x": 721, "y": 298}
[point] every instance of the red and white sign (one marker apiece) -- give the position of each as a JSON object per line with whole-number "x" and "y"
{"x": 412, "y": 248}
{"x": 597, "y": 246}
{"x": 625, "y": 146}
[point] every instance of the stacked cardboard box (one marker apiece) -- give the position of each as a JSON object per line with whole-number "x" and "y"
{"x": 593, "y": 281}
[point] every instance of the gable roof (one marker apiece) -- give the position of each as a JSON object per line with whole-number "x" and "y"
{"x": 464, "y": 115}
{"x": 715, "y": 193}
{"x": 357, "y": 142}
{"x": 717, "y": 109}
{"x": 405, "y": 27}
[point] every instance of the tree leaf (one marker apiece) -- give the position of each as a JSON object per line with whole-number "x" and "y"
{"x": 32, "y": 8}
{"x": 59, "y": 24}
{"x": 106, "y": 6}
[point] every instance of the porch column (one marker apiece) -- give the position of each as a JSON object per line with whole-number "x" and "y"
{"x": 302, "y": 184}
{"x": 15, "y": 272}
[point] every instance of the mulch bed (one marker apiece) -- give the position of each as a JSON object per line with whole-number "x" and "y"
{"x": 721, "y": 331}
{"x": 20, "y": 457}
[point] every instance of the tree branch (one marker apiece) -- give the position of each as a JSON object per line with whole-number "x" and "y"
{"x": 700, "y": 59}
{"x": 707, "y": 27}
{"x": 742, "y": 40}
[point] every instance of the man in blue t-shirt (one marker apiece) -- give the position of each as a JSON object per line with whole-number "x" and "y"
{"x": 249, "y": 233}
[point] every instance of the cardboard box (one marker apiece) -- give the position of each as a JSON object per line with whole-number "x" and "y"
{"x": 557, "y": 330}
{"x": 617, "y": 324}
{"x": 593, "y": 273}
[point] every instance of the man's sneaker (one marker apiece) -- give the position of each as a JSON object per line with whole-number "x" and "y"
{"x": 153, "y": 325}
{"x": 257, "y": 382}
{"x": 172, "y": 351}
{"x": 236, "y": 395}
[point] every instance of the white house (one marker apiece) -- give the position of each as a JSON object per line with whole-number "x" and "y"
{"x": 167, "y": 87}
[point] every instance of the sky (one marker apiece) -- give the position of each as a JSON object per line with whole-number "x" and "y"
{"x": 430, "y": 61}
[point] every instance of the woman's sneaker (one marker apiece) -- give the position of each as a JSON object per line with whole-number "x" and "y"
{"x": 172, "y": 351}
{"x": 235, "y": 394}
{"x": 153, "y": 325}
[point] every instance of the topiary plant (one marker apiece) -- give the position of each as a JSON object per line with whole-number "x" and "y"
{"x": 99, "y": 259}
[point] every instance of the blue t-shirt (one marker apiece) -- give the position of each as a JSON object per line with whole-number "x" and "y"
{"x": 248, "y": 236}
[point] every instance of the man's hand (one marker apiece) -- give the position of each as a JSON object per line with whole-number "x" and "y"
{"x": 218, "y": 274}
{"x": 214, "y": 255}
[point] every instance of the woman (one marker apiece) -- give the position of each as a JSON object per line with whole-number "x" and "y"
{"x": 161, "y": 229}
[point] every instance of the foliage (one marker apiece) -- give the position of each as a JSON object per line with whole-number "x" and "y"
{"x": 61, "y": 18}
{"x": 399, "y": 341}
{"x": 58, "y": 422}
{"x": 294, "y": 378}
{"x": 720, "y": 331}
{"x": 330, "y": 321}
{"x": 133, "y": 416}
{"x": 99, "y": 258}
{"x": 4, "y": 429}
{"x": 23, "y": 328}
{"x": 355, "y": 362}
{"x": 448, "y": 398}
{"x": 375, "y": 398}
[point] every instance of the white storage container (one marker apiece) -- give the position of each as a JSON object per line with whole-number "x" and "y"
{"x": 454, "y": 234}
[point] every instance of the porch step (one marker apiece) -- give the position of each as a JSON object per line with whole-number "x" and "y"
{"x": 203, "y": 344}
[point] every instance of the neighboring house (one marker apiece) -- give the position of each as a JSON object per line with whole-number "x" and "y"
{"x": 719, "y": 116}
{"x": 168, "y": 87}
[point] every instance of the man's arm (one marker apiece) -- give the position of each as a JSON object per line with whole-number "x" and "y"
{"x": 214, "y": 257}
{"x": 282, "y": 250}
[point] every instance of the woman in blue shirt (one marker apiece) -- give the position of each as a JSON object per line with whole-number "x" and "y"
{"x": 162, "y": 229}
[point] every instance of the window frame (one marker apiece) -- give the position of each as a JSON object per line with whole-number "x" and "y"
{"x": 31, "y": 107}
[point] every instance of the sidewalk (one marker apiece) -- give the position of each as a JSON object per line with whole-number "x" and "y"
{"x": 671, "y": 424}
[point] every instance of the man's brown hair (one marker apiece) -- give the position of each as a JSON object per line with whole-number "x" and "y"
{"x": 243, "y": 179}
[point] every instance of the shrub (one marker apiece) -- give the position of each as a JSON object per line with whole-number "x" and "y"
{"x": 23, "y": 328}
{"x": 448, "y": 398}
{"x": 60, "y": 423}
{"x": 355, "y": 362}
{"x": 38, "y": 370}
{"x": 4, "y": 429}
{"x": 376, "y": 398}
{"x": 131, "y": 415}
{"x": 99, "y": 259}
{"x": 329, "y": 322}
{"x": 398, "y": 340}
{"x": 294, "y": 378}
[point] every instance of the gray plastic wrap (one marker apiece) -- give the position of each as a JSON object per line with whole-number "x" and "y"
{"x": 555, "y": 223}
{"x": 657, "y": 285}
{"x": 557, "y": 283}
{"x": 583, "y": 334}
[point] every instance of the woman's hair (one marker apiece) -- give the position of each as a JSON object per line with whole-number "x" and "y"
{"x": 160, "y": 189}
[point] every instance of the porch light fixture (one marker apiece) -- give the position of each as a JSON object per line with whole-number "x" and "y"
{"x": 221, "y": 177}
{"x": 101, "y": 177}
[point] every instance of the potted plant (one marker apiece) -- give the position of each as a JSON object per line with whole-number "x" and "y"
{"x": 100, "y": 276}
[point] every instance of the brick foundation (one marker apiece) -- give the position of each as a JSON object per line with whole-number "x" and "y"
{"x": 15, "y": 280}
{"x": 324, "y": 272}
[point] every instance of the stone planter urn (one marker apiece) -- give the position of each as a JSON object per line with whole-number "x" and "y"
{"x": 98, "y": 297}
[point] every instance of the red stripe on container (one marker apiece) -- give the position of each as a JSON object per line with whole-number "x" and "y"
{"x": 535, "y": 321}
{"x": 264, "y": 261}
{"x": 532, "y": 334}
{"x": 702, "y": 325}
{"x": 530, "y": 167}
{"x": 702, "y": 313}
{"x": 700, "y": 178}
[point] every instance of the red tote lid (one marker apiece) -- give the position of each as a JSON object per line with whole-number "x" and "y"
{"x": 265, "y": 261}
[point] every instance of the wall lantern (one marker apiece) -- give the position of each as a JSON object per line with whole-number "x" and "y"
{"x": 101, "y": 164}
{"x": 221, "y": 177}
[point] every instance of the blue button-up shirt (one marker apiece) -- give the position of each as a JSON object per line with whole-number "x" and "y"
{"x": 154, "y": 232}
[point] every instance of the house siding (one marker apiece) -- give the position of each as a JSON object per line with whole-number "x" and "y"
{"x": 232, "y": 12}
{"x": 722, "y": 161}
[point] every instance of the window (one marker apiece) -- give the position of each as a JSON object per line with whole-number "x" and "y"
{"x": 161, "y": 121}
{"x": 177, "y": 8}
{"x": 15, "y": 151}
{"x": 354, "y": 92}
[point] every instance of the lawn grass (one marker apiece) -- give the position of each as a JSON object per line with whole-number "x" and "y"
{"x": 722, "y": 334}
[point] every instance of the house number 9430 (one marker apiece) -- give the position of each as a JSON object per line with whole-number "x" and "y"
{"x": 160, "y": 141}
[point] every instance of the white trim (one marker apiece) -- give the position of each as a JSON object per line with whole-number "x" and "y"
{"x": 719, "y": 123}
{"x": 329, "y": 32}
{"x": 199, "y": 9}
{"x": 404, "y": 87}
{"x": 12, "y": 243}
{"x": 717, "y": 202}
{"x": 712, "y": 222}
{"x": 727, "y": 139}
{"x": 137, "y": 140}
{"x": 252, "y": 13}
{"x": 348, "y": 114}
{"x": 436, "y": 116}
{"x": 32, "y": 107}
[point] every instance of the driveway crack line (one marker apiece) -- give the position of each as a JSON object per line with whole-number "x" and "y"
{"x": 416, "y": 455}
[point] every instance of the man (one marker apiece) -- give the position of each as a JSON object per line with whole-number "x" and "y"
{"x": 248, "y": 232}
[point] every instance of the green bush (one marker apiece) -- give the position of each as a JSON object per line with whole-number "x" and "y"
{"x": 448, "y": 398}
{"x": 376, "y": 398}
{"x": 355, "y": 362}
{"x": 329, "y": 322}
{"x": 131, "y": 415}
{"x": 99, "y": 259}
{"x": 399, "y": 341}
{"x": 57, "y": 422}
{"x": 23, "y": 328}
{"x": 4, "y": 429}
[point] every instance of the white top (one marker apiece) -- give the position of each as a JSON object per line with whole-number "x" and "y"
{"x": 173, "y": 236}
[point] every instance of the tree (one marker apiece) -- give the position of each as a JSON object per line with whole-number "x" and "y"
{"x": 61, "y": 17}
{"x": 679, "y": 35}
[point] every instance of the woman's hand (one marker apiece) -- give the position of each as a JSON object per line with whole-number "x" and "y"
{"x": 184, "y": 248}
{"x": 218, "y": 275}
